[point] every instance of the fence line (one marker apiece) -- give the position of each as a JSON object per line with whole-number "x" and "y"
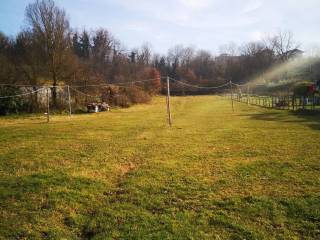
{"x": 199, "y": 87}
{"x": 285, "y": 102}
{"x": 23, "y": 94}
{"x": 120, "y": 84}
{"x": 89, "y": 85}
{"x": 84, "y": 94}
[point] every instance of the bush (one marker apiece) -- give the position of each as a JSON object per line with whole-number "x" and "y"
{"x": 125, "y": 96}
{"x": 10, "y": 105}
{"x": 137, "y": 95}
{"x": 121, "y": 101}
{"x": 302, "y": 88}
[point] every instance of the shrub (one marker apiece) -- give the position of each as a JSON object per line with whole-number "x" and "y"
{"x": 302, "y": 88}
{"x": 125, "y": 96}
{"x": 137, "y": 95}
{"x": 121, "y": 101}
{"x": 10, "y": 105}
{"x": 152, "y": 87}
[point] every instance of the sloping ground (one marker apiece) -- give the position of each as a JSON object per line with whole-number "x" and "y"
{"x": 253, "y": 174}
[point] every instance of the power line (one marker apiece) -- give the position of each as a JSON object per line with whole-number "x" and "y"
{"x": 249, "y": 84}
{"x": 73, "y": 87}
{"x": 199, "y": 87}
{"x": 23, "y": 94}
{"x": 146, "y": 80}
{"x": 90, "y": 85}
{"x": 82, "y": 93}
{"x": 17, "y": 85}
{"x": 240, "y": 85}
{"x": 22, "y": 85}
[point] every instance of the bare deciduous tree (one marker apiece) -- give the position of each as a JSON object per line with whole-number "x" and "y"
{"x": 229, "y": 49}
{"x": 282, "y": 44}
{"x": 145, "y": 54}
{"x": 50, "y": 28}
{"x": 7, "y": 68}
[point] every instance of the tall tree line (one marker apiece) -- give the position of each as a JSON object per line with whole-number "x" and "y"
{"x": 48, "y": 51}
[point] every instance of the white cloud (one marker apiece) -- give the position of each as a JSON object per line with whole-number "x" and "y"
{"x": 252, "y": 6}
{"x": 137, "y": 26}
{"x": 257, "y": 35}
{"x": 206, "y": 23}
{"x": 195, "y": 4}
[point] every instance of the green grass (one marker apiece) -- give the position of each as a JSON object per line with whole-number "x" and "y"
{"x": 253, "y": 174}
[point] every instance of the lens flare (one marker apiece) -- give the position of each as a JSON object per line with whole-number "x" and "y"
{"x": 285, "y": 73}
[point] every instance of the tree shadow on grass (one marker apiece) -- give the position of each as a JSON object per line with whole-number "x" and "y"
{"x": 38, "y": 198}
{"x": 307, "y": 117}
{"x": 298, "y": 215}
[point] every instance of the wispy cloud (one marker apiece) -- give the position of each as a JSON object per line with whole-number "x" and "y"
{"x": 195, "y": 5}
{"x": 205, "y": 23}
{"x": 137, "y": 26}
{"x": 252, "y": 6}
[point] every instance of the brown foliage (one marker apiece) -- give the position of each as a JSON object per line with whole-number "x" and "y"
{"x": 152, "y": 87}
{"x": 125, "y": 96}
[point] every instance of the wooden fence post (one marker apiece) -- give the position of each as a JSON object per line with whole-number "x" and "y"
{"x": 168, "y": 102}
{"x": 248, "y": 94}
{"x": 48, "y": 106}
{"x": 231, "y": 91}
{"x": 293, "y": 102}
{"x": 313, "y": 100}
{"x": 69, "y": 101}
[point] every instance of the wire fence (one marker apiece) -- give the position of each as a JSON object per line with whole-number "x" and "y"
{"x": 19, "y": 98}
{"x": 75, "y": 98}
{"x": 289, "y": 102}
{"x": 284, "y": 102}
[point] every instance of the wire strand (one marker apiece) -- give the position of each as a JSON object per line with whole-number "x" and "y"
{"x": 116, "y": 84}
{"x": 199, "y": 87}
{"x": 146, "y": 80}
{"x": 239, "y": 85}
{"x": 23, "y": 94}
{"x": 84, "y": 93}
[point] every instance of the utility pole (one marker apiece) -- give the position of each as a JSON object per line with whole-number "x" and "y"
{"x": 168, "y": 101}
{"x": 231, "y": 90}
{"x": 69, "y": 101}
{"x": 48, "y": 106}
{"x": 248, "y": 96}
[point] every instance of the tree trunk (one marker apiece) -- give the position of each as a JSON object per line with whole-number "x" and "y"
{"x": 54, "y": 90}
{"x": 34, "y": 103}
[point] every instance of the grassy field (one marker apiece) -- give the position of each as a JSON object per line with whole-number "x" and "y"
{"x": 253, "y": 174}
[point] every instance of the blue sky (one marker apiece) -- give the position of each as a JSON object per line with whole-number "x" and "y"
{"x": 204, "y": 24}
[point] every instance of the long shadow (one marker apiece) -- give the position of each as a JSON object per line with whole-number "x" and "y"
{"x": 307, "y": 117}
{"x": 312, "y": 118}
{"x": 32, "y": 198}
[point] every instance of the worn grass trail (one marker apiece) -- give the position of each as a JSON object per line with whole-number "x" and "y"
{"x": 253, "y": 174}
